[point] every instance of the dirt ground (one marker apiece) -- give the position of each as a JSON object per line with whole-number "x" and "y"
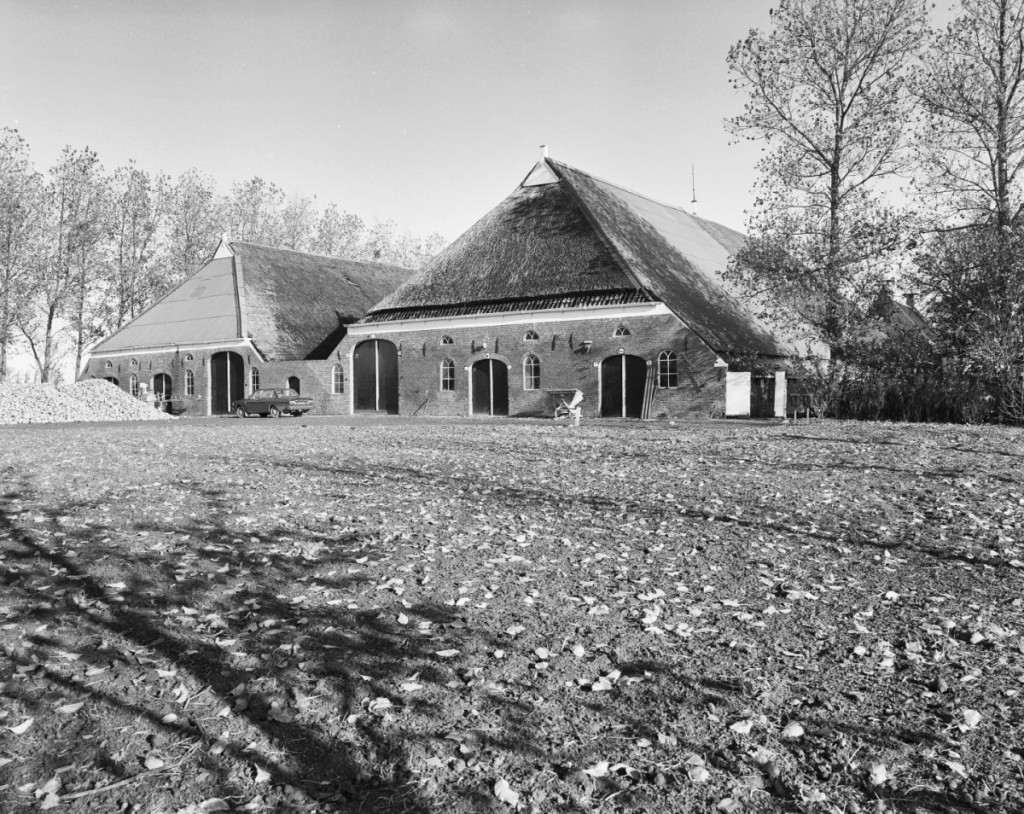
{"x": 292, "y": 615}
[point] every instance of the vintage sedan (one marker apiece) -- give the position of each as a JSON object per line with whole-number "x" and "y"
{"x": 273, "y": 403}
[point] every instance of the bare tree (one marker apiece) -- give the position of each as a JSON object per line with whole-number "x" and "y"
{"x": 65, "y": 266}
{"x": 254, "y": 212}
{"x": 195, "y": 216}
{"x": 827, "y": 91}
{"x": 137, "y": 208}
{"x": 20, "y": 198}
{"x": 971, "y": 89}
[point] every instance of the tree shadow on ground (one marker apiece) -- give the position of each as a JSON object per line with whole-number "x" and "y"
{"x": 310, "y": 688}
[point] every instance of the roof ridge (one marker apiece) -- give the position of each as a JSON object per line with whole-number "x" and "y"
{"x": 633, "y": 191}
{"x": 315, "y": 254}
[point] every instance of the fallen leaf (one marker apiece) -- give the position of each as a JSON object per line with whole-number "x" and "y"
{"x": 742, "y": 727}
{"x": 447, "y": 654}
{"x": 504, "y": 792}
{"x": 23, "y": 727}
{"x": 214, "y": 804}
{"x": 878, "y": 774}
{"x": 599, "y": 769}
{"x": 971, "y": 718}
{"x": 262, "y": 775}
{"x": 153, "y": 762}
{"x": 70, "y": 709}
{"x": 793, "y": 730}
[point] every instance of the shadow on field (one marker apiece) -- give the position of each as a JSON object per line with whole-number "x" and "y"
{"x": 236, "y": 652}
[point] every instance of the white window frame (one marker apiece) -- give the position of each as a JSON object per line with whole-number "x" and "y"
{"x": 531, "y": 372}
{"x": 446, "y": 375}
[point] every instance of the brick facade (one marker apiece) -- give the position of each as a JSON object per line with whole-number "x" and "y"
{"x": 566, "y": 361}
{"x": 315, "y": 377}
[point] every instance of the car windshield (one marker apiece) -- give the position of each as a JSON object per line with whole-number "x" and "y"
{"x": 289, "y": 392}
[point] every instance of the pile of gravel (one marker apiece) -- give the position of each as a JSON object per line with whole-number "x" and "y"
{"x": 89, "y": 400}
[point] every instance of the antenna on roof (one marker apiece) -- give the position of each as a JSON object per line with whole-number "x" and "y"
{"x": 543, "y": 151}
{"x": 693, "y": 184}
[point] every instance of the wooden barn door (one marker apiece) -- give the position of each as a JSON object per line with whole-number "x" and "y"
{"x": 623, "y": 381}
{"x": 375, "y": 376}
{"x": 227, "y": 371}
{"x": 762, "y": 397}
{"x": 490, "y": 387}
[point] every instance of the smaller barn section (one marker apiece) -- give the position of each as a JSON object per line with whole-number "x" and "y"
{"x": 253, "y": 316}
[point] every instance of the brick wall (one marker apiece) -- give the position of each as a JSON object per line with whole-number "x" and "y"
{"x": 565, "y": 363}
{"x": 315, "y": 377}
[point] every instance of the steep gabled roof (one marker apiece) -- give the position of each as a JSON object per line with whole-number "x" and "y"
{"x": 563, "y": 231}
{"x": 291, "y": 304}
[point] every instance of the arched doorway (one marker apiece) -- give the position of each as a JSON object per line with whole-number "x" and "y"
{"x": 162, "y": 387}
{"x": 489, "y": 387}
{"x": 227, "y": 376}
{"x": 294, "y": 384}
{"x": 622, "y": 386}
{"x": 375, "y": 376}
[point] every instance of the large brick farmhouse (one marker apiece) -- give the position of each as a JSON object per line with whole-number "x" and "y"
{"x": 570, "y": 283}
{"x": 252, "y": 316}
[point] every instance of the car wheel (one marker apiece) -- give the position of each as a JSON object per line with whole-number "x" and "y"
{"x": 274, "y": 411}
{"x": 240, "y": 412}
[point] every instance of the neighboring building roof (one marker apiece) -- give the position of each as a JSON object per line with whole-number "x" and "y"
{"x": 564, "y": 232}
{"x": 291, "y": 304}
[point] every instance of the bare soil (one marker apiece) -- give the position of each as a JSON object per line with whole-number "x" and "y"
{"x": 295, "y": 615}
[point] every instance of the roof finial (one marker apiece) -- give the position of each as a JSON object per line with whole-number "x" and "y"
{"x": 693, "y": 184}
{"x": 543, "y": 151}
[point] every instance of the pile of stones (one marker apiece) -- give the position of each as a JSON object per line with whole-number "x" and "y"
{"x": 90, "y": 400}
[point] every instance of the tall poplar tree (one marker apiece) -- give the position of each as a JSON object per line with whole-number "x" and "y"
{"x": 826, "y": 92}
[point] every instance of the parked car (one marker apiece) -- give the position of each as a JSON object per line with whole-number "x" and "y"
{"x": 273, "y": 403}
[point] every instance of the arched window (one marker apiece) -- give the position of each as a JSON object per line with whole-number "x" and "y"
{"x": 133, "y": 386}
{"x": 447, "y": 340}
{"x": 622, "y": 330}
{"x": 190, "y": 383}
{"x": 668, "y": 369}
{"x": 532, "y": 336}
{"x": 134, "y": 363}
{"x": 337, "y": 380}
{"x": 189, "y": 357}
{"x": 531, "y": 373}
{"x": 447, "y": 375}
{"x": 109, "y": 365}
{"x": 254, "y": 379}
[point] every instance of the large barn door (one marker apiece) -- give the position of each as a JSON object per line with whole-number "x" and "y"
{"x": 481, "y": 375}
{"x": 227, "y": 371}
{"x": 499, "y": 388}
{"x": 490, "y": 387}
{"x": 623, "y": 380}
{"x": 375, "y": 376}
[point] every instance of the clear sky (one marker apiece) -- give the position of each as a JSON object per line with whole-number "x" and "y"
{"x": 425, "y": 112}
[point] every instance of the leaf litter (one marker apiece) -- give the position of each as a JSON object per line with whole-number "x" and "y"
{"x": 426, "y": 616}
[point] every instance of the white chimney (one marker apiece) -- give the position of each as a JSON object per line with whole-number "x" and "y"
{"x": 543, "y": 151}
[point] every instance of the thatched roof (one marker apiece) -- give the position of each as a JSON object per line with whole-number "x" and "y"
{"x": 291, "y": 304}
{"x": 563, "y": 231}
